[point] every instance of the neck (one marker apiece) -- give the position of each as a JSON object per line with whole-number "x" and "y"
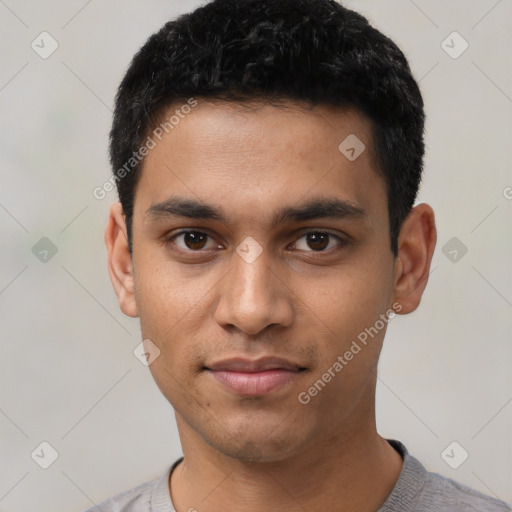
{"x": 351, "y": 473}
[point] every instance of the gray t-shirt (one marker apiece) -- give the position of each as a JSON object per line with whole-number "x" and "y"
{"x": 417, "y": 490}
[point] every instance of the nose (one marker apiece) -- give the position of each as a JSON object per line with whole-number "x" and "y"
{"x": 253, "y": 297}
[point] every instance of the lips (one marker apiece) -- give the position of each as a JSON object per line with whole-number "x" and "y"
{"x": 254, "y": 377}
{"x": 252, "y": 366}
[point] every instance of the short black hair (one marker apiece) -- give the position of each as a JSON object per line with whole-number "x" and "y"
{"x": 316, "y": 52}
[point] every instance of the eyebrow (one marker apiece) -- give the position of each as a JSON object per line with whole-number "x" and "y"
{"x": 319, "y": 208}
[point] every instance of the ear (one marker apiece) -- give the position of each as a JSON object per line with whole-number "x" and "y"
{"x": 416, "y": 245}
{"x": 120, "y": 265}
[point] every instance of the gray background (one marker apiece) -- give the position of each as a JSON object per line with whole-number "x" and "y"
{"x": 68, "y": 373}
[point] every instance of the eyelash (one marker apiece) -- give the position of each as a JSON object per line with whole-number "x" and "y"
{"x": 341, "y": 242}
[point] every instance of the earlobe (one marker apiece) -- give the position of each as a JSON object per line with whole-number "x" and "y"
{"x": 416, "y": 246}
{"x": 120, "y": 265}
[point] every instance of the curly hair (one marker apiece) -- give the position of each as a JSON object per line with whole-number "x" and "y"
{"x": 312, "y": 51}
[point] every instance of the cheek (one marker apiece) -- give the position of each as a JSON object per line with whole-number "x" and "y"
{"x": 164, "y": 296}
{"x": 351, "y": 299}
{"x": 172, "y": 309}
{"x": 178, "y": 386}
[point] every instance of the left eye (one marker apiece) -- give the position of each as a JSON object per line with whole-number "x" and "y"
{"x": 318, "y": 241}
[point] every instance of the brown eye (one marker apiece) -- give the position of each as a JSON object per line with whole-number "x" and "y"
{"x": 318, "y": 241}
{"x": 194, "y": 240}
{"x": 191, "y": 240}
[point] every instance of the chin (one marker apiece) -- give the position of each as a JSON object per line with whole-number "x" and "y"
{"x": 255, "y": 450}
{"x": 256, "y": 440}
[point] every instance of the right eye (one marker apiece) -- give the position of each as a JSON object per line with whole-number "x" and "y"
{"x": 192, "y": 241}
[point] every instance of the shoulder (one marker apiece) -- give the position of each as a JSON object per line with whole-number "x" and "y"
{"x": 150, "y": 496}
{"x": 418, "y": 490}
{"x": 138, "y": 498}
{"x": 440, "y": 491}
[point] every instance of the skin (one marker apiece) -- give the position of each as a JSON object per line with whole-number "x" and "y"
{"x": 297, "y": 300}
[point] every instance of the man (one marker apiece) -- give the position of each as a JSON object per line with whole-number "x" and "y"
{"x": 267, "y": 155}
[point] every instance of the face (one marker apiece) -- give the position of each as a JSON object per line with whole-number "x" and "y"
{"x": 261, "y": 253}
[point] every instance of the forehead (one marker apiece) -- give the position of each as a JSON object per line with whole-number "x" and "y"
{"x": 241, "y": 154}
{"x": 259, "y": 124}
